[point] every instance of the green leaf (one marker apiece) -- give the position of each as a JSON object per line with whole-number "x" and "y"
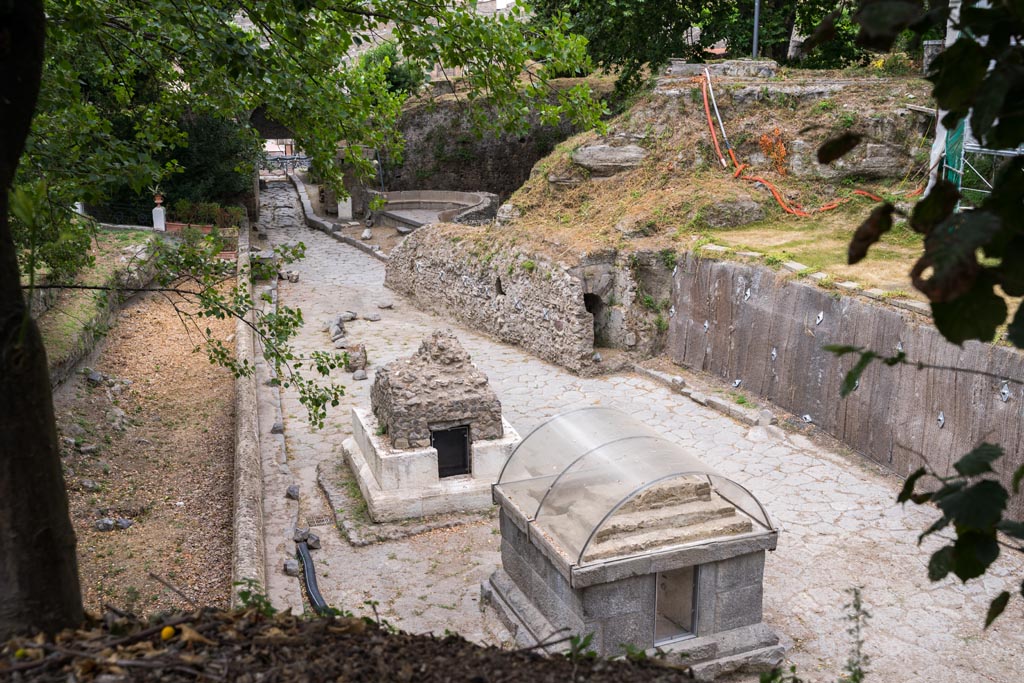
{"x": 973, "y": 552}
{"x": 941, "y": 563}
{"x": 1011, "y": 528}
{"x": 958, "y": 73}
{"x": 950, "y": 250}
{"x": 974, "y": 315}
{"x": 870, "y": 231}
{"x": 853, "y": 376}
{"x": 978, "y": 461}
{"x": 837, "y": 147}
{"x": 934, "y": 208}
{"x": 841, "y": 349}
{"x": 978, "y": 507}
{"x": 909, "y": 484}
{"x": 1015, "y": 331}
{"x": 996, "y": 607}
{"x": 881, "y": 21}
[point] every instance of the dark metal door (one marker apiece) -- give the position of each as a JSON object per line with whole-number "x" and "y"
{"x": 452, "y": 450}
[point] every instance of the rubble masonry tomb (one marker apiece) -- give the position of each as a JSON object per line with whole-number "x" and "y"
{"x": 434, "y": 439}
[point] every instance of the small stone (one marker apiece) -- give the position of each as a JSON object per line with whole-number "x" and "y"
{"x": 88, "y": 449}
{"x": 313, "y": 542}
{"x": 765, "y": 418}
{"x": 385, "y": 305}
{"x": 336, "y": 330}
{"x": 301, "y": 534}
{"x": 293, "y": 276}
{"x": 372, "y": 317}
{"x": 341, "y": 343}
{"x": 67, "y": 441}
{"x": 89, "y": 485}
{"x": 596, "y": 357}
{"x": 357, "y": 358}
{"x": 291, "y": 567}
{"x": 123, "y": 523}
{"x": 95, "y": 378}
{"x": 292, "y": 492}
{"x": 367, "y": 234}
{"x": 278, "y": 428}
{"x": 347, "y": 316}
{"x": 359, "y": 375}
{"x": 105, "y": 524}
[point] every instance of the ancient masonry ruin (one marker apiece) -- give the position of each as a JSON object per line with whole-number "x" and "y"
{"x": 435, "y": 439}
{"x": 608, "y": 528}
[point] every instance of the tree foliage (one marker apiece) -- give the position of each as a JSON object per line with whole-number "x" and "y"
{"x": 400, "y": 75}
{"x": 116, "y": 82}
{"x": 972, "y": 261}
{"x": 627, "y": 36}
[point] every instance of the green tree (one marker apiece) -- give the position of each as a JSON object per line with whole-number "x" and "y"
{"x": 972, "y": 262}
{"x": 627, "y": 36}
{"x": 402, "y": 76}
{"x": 101, "y": 103}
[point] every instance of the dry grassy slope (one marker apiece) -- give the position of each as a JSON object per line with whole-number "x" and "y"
{"x": 666, "y": 201}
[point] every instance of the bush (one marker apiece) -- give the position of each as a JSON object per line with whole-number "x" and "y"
{"x": 402, "y": 75}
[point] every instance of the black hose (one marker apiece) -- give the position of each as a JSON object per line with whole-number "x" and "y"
{"x": 309, "y": 575}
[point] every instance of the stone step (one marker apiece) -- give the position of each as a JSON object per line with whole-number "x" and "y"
{"x": 636, "y": 543}
{"x": 686, "y": 514}
{"x": 673, "y": 492}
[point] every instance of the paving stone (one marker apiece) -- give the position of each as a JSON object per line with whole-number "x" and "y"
{"x": 839, "y": 520}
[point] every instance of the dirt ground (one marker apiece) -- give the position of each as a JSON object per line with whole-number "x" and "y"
{"x": 165, "y": 464}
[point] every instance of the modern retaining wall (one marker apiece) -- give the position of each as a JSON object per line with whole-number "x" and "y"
{"x": 893, "y": 417}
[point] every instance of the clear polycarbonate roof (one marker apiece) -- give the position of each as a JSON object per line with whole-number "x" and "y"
{"x": 599, "y": 484}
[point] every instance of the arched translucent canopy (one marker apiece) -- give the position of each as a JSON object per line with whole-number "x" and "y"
{"x": 599, "y": 484}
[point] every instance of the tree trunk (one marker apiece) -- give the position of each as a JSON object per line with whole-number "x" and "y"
{"x": 38, "y": 570}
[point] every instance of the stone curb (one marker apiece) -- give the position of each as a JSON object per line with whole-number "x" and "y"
{"x": 248, "y": 556}
{"x": 721, "y": 405}
{"x": 317, "y": 223}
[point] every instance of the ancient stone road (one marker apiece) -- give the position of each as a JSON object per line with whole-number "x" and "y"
{"x": 839, "y": 525}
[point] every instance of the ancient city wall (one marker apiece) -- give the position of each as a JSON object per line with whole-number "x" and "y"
{"x": 518, "y": 299}
{"x": 893, "y": 416}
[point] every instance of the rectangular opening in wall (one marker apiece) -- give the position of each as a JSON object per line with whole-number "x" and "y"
{"x": 452, "y": 450}
{"x": 675, "y": 605}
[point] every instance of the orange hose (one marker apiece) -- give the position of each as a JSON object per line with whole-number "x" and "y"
{"x": 711, "y": 126}
{"x": 865, "y": 193}
{"x": 794, "y": 209}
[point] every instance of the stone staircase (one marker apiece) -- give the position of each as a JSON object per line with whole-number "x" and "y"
{"x": 667, "y": 515}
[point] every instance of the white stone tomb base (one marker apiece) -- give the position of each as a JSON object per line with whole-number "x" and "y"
{"x": 403, "y": 484}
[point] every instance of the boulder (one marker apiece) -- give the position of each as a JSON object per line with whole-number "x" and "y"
{"x": 606, "y": 160}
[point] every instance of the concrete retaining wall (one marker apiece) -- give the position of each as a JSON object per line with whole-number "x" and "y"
{"x": 893, "y": 416}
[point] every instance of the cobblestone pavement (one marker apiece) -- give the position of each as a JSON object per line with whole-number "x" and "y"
{"x": 840, "y": 526}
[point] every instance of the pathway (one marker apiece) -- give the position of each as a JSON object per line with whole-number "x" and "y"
{"x": 840, "y": 526}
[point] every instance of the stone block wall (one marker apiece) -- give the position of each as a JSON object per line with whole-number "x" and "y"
{"x": 730, "y": 593}
{"x": 521, "y": 300}
{"x": 893, "y": 415}
{"x": 618, "y": 612}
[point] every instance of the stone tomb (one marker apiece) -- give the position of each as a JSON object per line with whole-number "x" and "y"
{"x": 434, "y": 440}
{"x": 609, "y": 529}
